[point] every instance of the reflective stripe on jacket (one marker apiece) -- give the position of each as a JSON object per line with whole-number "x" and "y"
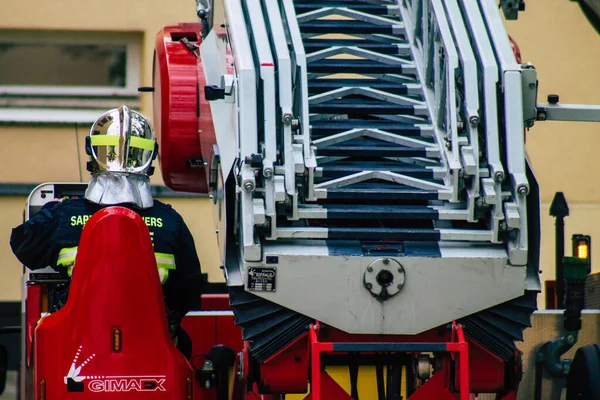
{"x": 164, "y": 262}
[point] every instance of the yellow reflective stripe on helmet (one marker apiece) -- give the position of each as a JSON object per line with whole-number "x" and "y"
{"x": 164, "y": 260}
{"x": 141, "y": 143}
{"x": 105, "y": 140}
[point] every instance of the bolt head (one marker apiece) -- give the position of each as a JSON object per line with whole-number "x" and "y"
{"x": 248, "y": 186}
{"x": 474, "y": 120}
{"x": 553, "y": 98}
{"x": 498, "y": 176}
{"x": 370, "y": 269}
{"x": 522, "y": 190}
{"x": 369, "y": 286}
{"x": 386, "y": 261}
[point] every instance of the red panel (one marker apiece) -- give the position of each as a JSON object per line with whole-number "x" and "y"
{"x": 228, "y": 333}
{"x": 115, "y": 286}
{"x": 180, "y": 110}
{"x": 207, "y": 331}
{"x": 202, "y": 331}
{"x": 287, "y": 372}
{"x": 34, "y": 310}
{"x": 215, "y": 302}
{"x": 486, "y": 371}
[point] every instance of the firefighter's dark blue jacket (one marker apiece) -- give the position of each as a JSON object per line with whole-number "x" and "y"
{"x": 50, "y": 238}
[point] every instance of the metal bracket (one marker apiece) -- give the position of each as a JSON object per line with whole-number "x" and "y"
{"x": 568, "y": 112}
{"x": 511, "y": 8}
{"x": 222, "y": 92}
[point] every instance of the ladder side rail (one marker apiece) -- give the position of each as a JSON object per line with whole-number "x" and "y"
{"x": 492, "y": 187}
{"x": 266, "y": 67}
{"x": 245, "y": 94}
{"x": 490, "y": 79}
{"x": 284, "y": 77}
{"x": 513, "y": 125}
{"x": 432, "y": 73}
{"x": 445, "y": 78}
{"x": 470, "y": 107}
{"x": 301, "y": 85}
{"x": 512, "y": 88}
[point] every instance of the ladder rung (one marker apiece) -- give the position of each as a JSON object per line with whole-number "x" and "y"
{"x": 357, "y": 67}
{"x": 325, "y": 85}
{"x": 366, "y": 8}
{"x": 382, "y": 193}
{"x": 330, "y": 127}
{"x": 347, "y": 27}
{"x": 335, "y": 170}
{"x": 368, "y": 211}
{"x": 313, "y": 45}
{"x": 371, "y": 151}
{"x": 360, "y": 107}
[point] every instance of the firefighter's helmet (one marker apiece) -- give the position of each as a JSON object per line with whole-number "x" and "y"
{"x": 121, "y": 140}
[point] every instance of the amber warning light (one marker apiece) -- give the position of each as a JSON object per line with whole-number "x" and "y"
{"x": 117, "y": 341}
{"x": 582, "y": 248}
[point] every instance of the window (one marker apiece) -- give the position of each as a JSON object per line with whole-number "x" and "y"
{"x": 69, "y": 70}
{"x": 73, "y": 64}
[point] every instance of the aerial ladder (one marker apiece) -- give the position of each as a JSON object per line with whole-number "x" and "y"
{"x": 367, "y": 166}
{"x": 373, "y": 200}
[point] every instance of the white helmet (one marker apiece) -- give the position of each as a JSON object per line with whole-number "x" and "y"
{"x": 121, "y": 140}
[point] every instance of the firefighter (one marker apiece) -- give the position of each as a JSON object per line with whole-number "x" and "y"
{"x": 121, "y": 146}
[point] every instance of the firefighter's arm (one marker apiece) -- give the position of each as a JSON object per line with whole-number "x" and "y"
{"x": 186, "y": 281}
{"x": 33, "y": 242}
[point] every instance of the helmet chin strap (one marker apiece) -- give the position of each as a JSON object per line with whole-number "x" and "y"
{"x": 112, "y": 188}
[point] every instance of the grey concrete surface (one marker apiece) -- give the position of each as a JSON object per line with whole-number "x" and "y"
{"x": 10, "y": 393}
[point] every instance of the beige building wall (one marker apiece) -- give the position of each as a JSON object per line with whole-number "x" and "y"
{"x": 552, "y": 34}
{"x": 35, "y": 154}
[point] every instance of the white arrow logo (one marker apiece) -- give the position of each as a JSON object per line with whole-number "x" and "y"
{"x": 75, "y": 370}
